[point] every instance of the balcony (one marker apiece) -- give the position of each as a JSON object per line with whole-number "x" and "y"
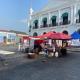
{"x": 65, "y": 23}
{"x": 35, "y": 27}
{"x": 44, "y": 26}
{"x": 53, "y": 25}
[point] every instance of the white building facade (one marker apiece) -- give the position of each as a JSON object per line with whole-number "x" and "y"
{"x": 57, "y": 15}
{"x": 7, "y": 37}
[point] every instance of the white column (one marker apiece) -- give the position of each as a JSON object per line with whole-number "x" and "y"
{"x": 40, "y": 20}
{"x": 75, "y": 12}
{"x": 49, "y": 17}
{"x": 59, "y": 20}
{"x": 72, "y": 15}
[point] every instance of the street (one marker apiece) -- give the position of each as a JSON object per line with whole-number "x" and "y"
{"x": 64, "y": 68}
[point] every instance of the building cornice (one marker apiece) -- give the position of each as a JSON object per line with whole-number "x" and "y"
{"x": 64, "y": 6}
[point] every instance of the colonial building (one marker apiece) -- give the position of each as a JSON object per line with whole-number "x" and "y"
{"x": 57, "y": 15}
{"x": 11, "y": 37}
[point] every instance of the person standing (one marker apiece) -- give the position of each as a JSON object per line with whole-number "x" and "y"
{"x": 20, "y": 45}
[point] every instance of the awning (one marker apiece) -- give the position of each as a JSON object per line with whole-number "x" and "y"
{"x": 30, "y": 38}
{"x": 53, "y": 35}
{"x": 45, "y": 35}
{"x": 53, "y": 17}
{"x": 60, "y": 36}
{"x": 75, "y": 35}
{"x": 65, "y": 14}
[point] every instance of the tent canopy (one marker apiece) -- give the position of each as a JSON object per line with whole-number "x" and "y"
{"x": 60, "y": 36}
{"x": 51, "y": 35}
{"x": 57, "y": 36}
{"x": 45, "y": 35}
{"x": 75, "y": 35}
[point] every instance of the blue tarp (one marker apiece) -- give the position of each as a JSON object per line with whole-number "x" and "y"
{"x": 75, "y": 35}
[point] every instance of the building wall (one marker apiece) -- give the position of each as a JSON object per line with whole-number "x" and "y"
{"x": 71, "y": 9}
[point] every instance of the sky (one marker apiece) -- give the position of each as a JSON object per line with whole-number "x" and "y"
{"x": 13, "y": 13}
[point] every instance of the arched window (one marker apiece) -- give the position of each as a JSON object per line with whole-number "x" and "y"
{"x": 44, "y": 22}
{"x": 53, "y": 20}
{"x": 36, "y": 24}
{"x": 79, "y": 14}
{"x": 65, "y": 32}
{"x": 35, "y": 34}
{"x": 65, "y": 18}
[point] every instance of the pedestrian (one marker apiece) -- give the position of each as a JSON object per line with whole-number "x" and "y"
{"x": 46, "y": 49}
{"x": 20, "y": 45}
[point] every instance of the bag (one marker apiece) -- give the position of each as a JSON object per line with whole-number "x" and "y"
{"x": 56, "y": 54}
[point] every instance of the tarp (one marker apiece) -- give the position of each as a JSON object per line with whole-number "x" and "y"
{"x": 60, "y": 36}
{"x": 53, "y": 35}
{"x": 45, "y": 35}
{"x": 30, "y": 37}
{"x": 75, "y": 35}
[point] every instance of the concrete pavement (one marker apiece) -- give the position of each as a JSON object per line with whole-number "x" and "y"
{"x": 12, "y": 57}
{"x": 64, "y": 68}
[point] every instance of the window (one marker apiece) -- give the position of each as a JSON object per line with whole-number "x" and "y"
{"x": 35, "y": 34}
{"x": 78, "y": 31}
{"x": 44, "y": 22}
{"x": 65, "y": 18}
{"x": 53, "y": 20}
{"x": 79, "y": 14}
{"x": 4, "y": 38}
{"x": 36, "y": 24}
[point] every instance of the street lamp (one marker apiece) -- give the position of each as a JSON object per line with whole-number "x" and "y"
{"x": 29, "y": 20}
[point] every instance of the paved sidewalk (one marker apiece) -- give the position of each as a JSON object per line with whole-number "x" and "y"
{"x": 74, "y": 49}
{"x": 12, "y": 57}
